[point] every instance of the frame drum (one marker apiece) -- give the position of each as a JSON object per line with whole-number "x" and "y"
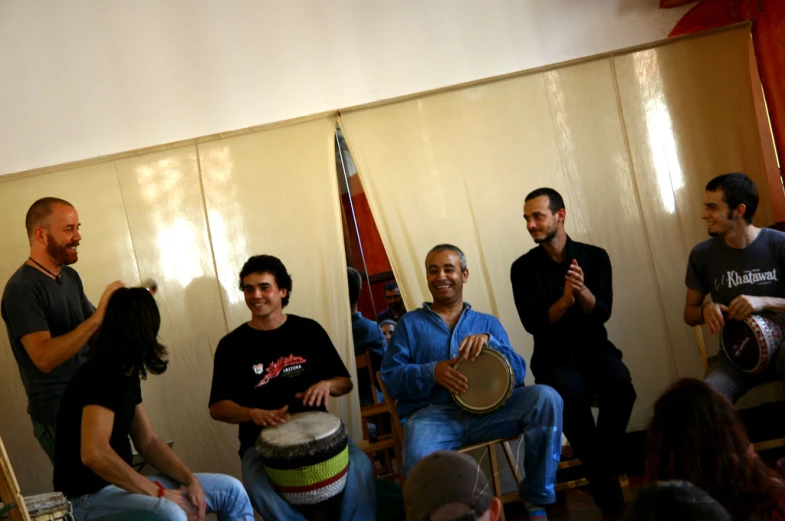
{"x": 752, "y": 343}
{"x": 491, "y": 382}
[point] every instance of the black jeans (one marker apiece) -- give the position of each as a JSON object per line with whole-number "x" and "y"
{"x": 599, "y": 446}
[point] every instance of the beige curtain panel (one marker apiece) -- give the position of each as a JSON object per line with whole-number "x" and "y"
{"x": 189, "y": 217}
{"x": 629, "y": 140}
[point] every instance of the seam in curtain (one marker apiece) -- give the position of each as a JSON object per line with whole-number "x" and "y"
{"x": 483, "y": 262}
{"x": 224, "y": 304}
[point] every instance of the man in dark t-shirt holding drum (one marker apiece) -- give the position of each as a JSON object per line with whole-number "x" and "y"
{"x": 271, "y": 366}
{"x": 48, "y": 317}
{"x": 741, "y": 266}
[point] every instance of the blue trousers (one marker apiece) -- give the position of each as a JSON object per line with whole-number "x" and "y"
{"x": 359, "y": 495}
{"x": 224, "y": 495}
{"x": 534, "y": 411}
{"x": 733, "y": 383}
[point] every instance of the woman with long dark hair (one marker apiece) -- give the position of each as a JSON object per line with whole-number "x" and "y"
{"x": 102, "y": 407}
{"x": 696, "y": 436}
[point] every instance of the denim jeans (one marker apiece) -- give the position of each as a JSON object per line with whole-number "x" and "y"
{"x": 359, "y": 495}
{"x": 733, "y": 383}
{"x": 45, "y": 434}
{"x": 534, "y": 411}
{"x": 224, "y": 496}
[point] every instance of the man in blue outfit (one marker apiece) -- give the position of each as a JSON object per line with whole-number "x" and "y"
{"x": 395, "y": 306}
{"x": 367, "y": 336}
{"x": 418, "y": 369}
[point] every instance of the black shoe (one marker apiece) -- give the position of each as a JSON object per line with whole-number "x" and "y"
{"x": 608, "y": 495}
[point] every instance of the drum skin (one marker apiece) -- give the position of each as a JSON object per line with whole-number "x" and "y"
{"x": 491, "y": 382}
{"x": 752, "y": 343}
{"x": 306, "y": 458}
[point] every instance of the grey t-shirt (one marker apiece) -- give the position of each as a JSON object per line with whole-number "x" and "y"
{"x": 33, "y": 301}
{"x": 757, "y": 270}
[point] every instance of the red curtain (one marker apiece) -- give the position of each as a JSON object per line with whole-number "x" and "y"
{"x": 768, "y": 32}
{"x": 674, "y": 3}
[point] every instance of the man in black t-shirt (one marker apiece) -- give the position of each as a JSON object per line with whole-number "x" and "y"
{"x": 273, "y": 365}
{"x": 48, "y": 317}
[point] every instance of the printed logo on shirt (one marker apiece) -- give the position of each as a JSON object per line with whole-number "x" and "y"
{"x": 731, "y": 279}
{"x": 286, "y": 365}
{"x": 258, "y": 368}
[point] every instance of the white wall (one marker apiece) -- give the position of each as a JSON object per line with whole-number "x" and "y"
{"x": 87, "y": 78}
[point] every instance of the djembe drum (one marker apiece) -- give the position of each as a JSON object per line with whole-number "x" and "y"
{"x": 491, "y": 382}
{"x": 752, "y": 343}
{"x": 52, "y": 506}
{"x": 306, "y": 458}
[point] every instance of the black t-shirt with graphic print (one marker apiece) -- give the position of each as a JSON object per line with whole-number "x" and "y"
{"x": 265, "y": 369}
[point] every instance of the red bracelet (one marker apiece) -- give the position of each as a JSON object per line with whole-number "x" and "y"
{"x": 160, "y": 489}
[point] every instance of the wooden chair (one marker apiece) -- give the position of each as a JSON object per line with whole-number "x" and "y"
{"x": 624, "y": 481}
{"x": 487, "y": 446}
{"x": 761, "y": 445}
{"x": 50, "y": 506}
{"x": 563, "y": 486}
{"x": 363, "y": 363}
{"x": 390, "y": 468}
{"x": 13, "y": 503}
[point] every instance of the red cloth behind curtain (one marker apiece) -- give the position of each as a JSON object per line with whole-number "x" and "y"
{"x": 674, "y": 3}
{"x": 768, "y": 33}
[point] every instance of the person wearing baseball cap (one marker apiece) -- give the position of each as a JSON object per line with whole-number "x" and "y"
{"x": 449, "y": 486}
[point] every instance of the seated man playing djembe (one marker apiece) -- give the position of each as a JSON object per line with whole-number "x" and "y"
{"x": 271, "y": 366}
{"x": 742, "y": 267}
{"x": 419, "y": 370}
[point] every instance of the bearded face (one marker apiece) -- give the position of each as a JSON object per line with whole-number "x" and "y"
{"x": 62, "y": 253}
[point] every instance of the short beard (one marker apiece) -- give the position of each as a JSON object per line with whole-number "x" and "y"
{"x": 547, "y": 238}
{"x": 58, "y": 252}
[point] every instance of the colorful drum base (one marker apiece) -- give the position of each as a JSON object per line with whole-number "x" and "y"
{"x": 306, "y": 458}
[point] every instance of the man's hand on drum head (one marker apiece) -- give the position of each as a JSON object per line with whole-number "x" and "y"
{"x": 267, "y": 418}
{"x": 316, "y": 395}
{"x": 472, "y": 345}
{"x": 743, "y": 306}
{"x": 713, "y": 316}
{"x": 449, "y": 378}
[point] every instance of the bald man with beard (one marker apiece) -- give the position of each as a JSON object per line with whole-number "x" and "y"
{"x": 47, "y": 314}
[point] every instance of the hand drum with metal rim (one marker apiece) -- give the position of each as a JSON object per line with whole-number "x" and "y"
{"x": 752, "y": 343}
{"x": 491, "y": 382}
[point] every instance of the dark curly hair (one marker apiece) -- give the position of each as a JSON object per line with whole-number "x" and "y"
{"x": 129, "y": 333}
{"x": 696, "y": 436}
{"x": 273, "y": 266}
